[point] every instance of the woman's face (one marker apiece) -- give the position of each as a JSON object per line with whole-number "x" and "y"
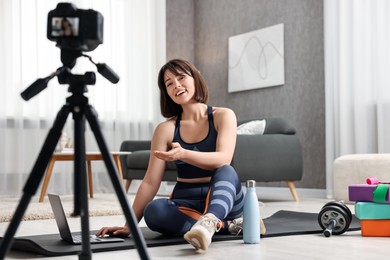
{"x": 65, "y": 23}
{"x": 180, "y": 88}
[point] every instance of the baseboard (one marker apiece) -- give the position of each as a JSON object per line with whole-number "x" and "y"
{"x": 284, "y": 192}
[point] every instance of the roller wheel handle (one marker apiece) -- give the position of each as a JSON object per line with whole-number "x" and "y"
{"x": 329, "y": 229}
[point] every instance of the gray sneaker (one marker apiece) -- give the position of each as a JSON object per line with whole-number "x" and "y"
{"x": 236, "y": 226}
{"x": 202, "y": 232}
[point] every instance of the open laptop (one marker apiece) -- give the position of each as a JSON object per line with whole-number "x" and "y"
{"x": 63, "y": 227}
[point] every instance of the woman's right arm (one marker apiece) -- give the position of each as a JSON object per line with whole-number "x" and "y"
{"x": 162, "y": 137}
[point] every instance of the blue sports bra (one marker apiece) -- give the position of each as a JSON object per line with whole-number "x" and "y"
{"x": 188, "y": 171}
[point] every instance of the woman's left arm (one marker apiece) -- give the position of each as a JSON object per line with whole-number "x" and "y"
{"x": 225, "y": 123}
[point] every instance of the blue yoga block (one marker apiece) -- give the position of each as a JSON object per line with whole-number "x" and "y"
{"x": 371, "y": 210}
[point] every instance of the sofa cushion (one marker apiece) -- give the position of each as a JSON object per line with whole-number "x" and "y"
{"x": 274, "y": 125}
{"x": 278, "y": 126}
{"x": 140, "y": 160}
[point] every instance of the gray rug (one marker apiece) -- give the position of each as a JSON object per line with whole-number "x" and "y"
{"x": 100, "y": 205}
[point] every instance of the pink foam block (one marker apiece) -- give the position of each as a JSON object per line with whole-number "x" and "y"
{"x": 364, "y": 192}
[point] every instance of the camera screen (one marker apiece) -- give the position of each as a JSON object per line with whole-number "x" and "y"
{"x": 64, "y": 26}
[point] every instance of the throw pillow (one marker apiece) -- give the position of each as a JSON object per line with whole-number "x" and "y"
{"x": 255, "y": 127}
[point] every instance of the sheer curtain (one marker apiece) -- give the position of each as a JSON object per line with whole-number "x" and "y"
{"x": 134, "y": 47}
{"x": 357, "y": 60}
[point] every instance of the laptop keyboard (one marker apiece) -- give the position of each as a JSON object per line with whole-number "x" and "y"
{"x": 78, "y": 238}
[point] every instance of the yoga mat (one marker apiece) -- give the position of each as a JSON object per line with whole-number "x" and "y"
{"x": 282, "y": 223}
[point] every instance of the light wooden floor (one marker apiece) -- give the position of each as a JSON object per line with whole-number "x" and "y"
{"x": 350, "y": 245}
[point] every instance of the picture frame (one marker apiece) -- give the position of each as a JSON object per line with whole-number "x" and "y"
{"x": 256, "y": 59}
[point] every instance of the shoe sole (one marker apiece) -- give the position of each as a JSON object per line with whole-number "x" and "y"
{"x": 196, "y": 239}
{"x": 263, "y": 230}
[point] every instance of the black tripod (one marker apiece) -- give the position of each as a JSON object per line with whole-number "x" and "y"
{"x": 77, "y": 104}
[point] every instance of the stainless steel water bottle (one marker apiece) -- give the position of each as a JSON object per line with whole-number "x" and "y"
{"x": 251, "y": 225}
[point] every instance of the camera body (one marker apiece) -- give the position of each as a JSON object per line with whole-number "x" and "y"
{"x": 75, "y": 29}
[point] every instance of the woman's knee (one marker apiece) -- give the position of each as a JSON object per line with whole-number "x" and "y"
{"x": 154, "y": 213}
{"x": 163, "y": 215}
{"x": 227, "y": 172}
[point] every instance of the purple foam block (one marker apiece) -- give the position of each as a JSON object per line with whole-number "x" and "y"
{"x": 364, "y": 192}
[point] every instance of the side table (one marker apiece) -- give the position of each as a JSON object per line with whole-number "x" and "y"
{"x": 89, "y": 156}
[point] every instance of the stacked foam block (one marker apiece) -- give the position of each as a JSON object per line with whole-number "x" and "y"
{"x": 372, "y": 207}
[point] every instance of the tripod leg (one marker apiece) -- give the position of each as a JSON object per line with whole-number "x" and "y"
{"x": 118, "y": 187}
{"x": 80, "y": 179}
{"x": 35, "y": 177}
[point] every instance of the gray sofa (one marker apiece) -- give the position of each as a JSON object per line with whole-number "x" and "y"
{"x": 276, "y": 155}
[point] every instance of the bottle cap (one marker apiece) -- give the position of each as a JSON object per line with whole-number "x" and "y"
{"x": 250, "y": 183}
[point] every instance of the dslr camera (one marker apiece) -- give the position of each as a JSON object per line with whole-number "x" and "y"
{"x": 75, "y": 29}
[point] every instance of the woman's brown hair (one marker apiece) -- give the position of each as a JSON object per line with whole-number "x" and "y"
{"x": 177, "y": 67}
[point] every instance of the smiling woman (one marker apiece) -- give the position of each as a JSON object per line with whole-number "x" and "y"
{"x": 200, "y": 140}
{"x": 180, "y": 78}
{"x": 27, "y": 55}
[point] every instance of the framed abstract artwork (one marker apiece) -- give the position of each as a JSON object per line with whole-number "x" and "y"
{"x": 256, "y": 59}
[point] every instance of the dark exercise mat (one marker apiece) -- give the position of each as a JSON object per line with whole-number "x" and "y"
{"x": 282, "y": 223}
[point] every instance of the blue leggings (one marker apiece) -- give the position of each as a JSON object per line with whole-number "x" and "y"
{"x": 222, "y": 197}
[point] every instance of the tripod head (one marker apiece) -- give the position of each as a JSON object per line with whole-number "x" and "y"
{"x": 65, "y": 76}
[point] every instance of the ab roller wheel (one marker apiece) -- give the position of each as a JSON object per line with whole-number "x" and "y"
{"x": 334, "y": 218}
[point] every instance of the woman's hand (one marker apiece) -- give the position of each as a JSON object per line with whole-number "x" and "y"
{"x": 176, "y": 153}
{"x": 114, "y": 231}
